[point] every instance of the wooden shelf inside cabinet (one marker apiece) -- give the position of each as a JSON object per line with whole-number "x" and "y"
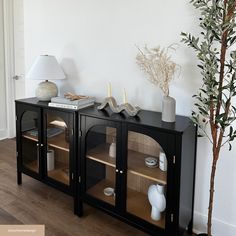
{"x": 60, "y": 173}
{"x": 33, "y": 165}
{"x": 31, "y": 137}
{"x": 97, "y": 191}
{"x": 136, "y": 165}
{"x": 138, "y": 205}
{"x": 57, "y": 141}
{"x": 101, "y": 154}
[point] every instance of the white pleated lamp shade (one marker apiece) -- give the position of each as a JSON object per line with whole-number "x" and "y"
{"x": 46, "y": 68}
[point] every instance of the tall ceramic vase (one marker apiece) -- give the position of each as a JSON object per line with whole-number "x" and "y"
{"x": 168, "y": 109}
{"x": 157, "y": 200}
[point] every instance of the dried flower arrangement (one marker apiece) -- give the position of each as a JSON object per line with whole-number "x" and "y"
{"x": 158, "y": 65}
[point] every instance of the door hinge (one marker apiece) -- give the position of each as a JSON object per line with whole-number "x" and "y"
{"x": 72, "y": 176}
{"x": 173, "y": 159}
{"x": 16, "y": 118}
{"x": 80, "y": 133}
{"x": 172, "y": 217}
{"x": 79, "y": 179}
{"x": 72, "y": 132}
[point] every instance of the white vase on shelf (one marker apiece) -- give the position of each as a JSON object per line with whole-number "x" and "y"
{"x": 50, "y": 160}
{"x": 112, "y": 149}
{"x": 157, "y": 200}
{"x": 162, "y": 161}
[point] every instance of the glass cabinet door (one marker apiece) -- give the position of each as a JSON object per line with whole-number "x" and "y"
{"x": 30, "y": 140}
{"x": 100, "y": 163}
{"x": 57, "y": 148}
{"x": 146, "y": 179}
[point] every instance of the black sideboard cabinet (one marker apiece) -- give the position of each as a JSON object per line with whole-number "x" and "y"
{"x": 46, "y": 144}
{"x": 84, "y": 164}
{"x": 137, "y": 138}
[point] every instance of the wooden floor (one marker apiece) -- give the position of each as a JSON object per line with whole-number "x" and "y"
{"x": 36, "y": 203}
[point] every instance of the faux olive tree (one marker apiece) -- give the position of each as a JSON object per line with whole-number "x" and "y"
{"x": 217, "y": 62}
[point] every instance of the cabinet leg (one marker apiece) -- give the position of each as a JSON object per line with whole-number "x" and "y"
{"x": 19, "y": 178}
{"x": 78, "y": 207}
{"x": 190, "y": 227}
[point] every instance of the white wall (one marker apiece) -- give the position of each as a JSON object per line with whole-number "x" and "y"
{"x": 95, "y": 43}
{"x": 3, "y": 116}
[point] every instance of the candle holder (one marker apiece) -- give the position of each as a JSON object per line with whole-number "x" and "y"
{"x": 111, "y": 102}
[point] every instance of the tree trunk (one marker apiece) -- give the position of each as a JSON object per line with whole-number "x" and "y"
{"x": 212, "y": 186}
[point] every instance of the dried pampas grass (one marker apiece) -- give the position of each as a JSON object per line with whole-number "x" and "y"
{"x": 158, "y": 65}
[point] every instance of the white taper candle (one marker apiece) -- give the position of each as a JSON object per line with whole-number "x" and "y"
{"x": 109, "y": 89}
{"x": 124, "y": 96}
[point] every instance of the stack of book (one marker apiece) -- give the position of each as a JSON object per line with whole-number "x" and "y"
{"x": 71, "y": 104}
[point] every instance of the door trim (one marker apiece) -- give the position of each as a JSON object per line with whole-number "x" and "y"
{"x": 9, "y": 65}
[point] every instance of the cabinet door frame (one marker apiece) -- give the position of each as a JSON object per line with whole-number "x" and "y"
{"x": 69, "y": 119}
{"x": 87, "y": 123}
{"x": 167, "y": 142}
{"x": 21, "y": 109}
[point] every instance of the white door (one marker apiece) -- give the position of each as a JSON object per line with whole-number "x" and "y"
{"x": 3, "y": 100}
{"x": 19, "y": 57}
{"x": 12, "y": 82}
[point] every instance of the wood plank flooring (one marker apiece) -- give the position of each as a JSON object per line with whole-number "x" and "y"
{"x": 36, "y": 203}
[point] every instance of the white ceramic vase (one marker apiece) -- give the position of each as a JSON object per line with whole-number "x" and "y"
{"x": 157, "y": 200}
{"x": 50, "y": 160}
{"x": 168, "y": 109}
{"x": 162, "y": 161}
{"x": 112, "y": 150}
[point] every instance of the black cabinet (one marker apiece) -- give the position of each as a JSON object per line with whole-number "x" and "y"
{"x": 116, "y": 179}
{"x": 138, "y": 169}
{"x": 46, "y": 139}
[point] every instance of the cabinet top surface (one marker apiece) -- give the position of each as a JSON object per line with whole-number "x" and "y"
{"x": 35, "y": 102}
{"x": 144, "y": 117}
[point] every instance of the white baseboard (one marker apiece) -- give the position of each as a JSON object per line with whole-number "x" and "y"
{"x": 219, "y": 227}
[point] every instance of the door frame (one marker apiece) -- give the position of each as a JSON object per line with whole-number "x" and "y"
{"x": 8, "y": 15}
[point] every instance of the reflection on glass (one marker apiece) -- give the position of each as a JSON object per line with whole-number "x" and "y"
{"x": 57, "y": 161}
{"x": 144, "y": 175}
{"x": 29, "y": 132}
{"x": 101, "y": 163}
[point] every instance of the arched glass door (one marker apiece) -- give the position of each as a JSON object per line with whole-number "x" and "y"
{"x": 30, "y": 140}
{"x": 100, "y": 163}
{"x": 57, "y": 148}
{"x": 146, "y": 179}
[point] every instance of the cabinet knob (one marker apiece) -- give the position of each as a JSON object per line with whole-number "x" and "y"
{"x": 41, "y": 145}
{"x": 117, "y": 170}
{"x": 121, "y": 171}
{"x": 37, "y": 144}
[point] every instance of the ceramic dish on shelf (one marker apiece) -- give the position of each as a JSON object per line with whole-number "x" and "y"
{"x": 151, "y": 166}
{"x": 151, "y": 162}
{"x": 109, "y": 191}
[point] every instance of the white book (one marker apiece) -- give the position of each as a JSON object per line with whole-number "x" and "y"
{"x": 79, "y": 102}
{"x": 69, "y": 106}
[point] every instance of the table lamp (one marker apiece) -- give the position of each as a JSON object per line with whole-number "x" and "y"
{"x": 46, "y": 68}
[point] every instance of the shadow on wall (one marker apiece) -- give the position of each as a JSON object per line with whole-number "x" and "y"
{"x": 72, "y": 77}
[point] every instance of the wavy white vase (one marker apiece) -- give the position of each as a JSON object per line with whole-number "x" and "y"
{"x": 157, "y": 200}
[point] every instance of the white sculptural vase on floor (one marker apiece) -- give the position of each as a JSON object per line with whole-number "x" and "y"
{"x": 157, "y": 200}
